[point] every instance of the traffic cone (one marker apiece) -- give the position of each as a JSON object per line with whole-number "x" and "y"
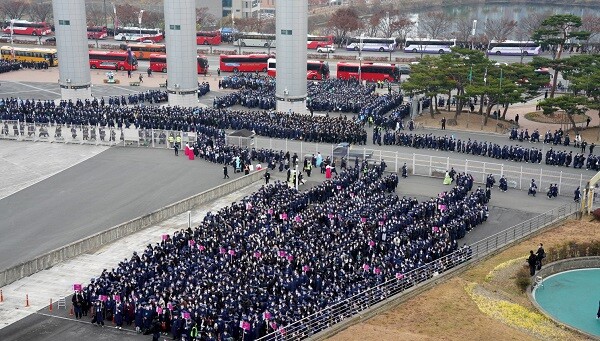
{"x": 27, "y": 300}
{"x": 71, "y": 312}
{"x": 50, "y": 305}
{"x": 1, "y": 296}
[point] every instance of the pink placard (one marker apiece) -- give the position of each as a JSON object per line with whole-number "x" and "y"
{"x": 363, "y": 219}
{"x": 270, "y": 211}
{"x": 257, "y": 254}
{"x": 284, "y": 216}
{"x": 246, "y": 326}
{"x": 201, "y": 247}
{"x": 281, "y": 331}
{"x": 186, "y": 316}
{"x": 290, "y": 258}
{"x": 76, "y": 287}
{"x": 371, "y": 243}
{"x": 305, "y": 268}
{"x": 298, "y": 218}
{"x": 159, "y": 310}
{"x": 366, "y": 267}
{"x": 281, "y": 253}
{"x": 273, "y": 325}
{"x": 165, "y": 236}
{"x": 381, "y": 223}
{"x": 222, "y": 250}
{"x": 399, "y": 275}
{"x": 191, "y": 242}
{"x": 339, "y": 187}
{"x": 436, "y": 229}
{"x": 103, "y": 298}
{"x": 329, "y": 215}
{"x": 248, "y": 206}
{"x": 170, "y": 306}
{"x": 377, "y": 271}
{"x": 267, "y": 315}
{"x": 117, "y": 298}
{"x": 231, "y": 252}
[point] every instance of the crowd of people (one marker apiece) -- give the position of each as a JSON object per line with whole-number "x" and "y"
{"x": 116, "y": 112}
{"x": 8, "y": 66}
{"x": 488, "y": 149}
{"x": 332, "y": 95}
{"x": 280, "y": 255}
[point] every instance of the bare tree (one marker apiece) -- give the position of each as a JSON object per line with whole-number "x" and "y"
{"x": 402, "y": 26}
{"x": 591, "y": 23}
{"x": 127, "y": 15}
{"x": 372, "y": 24}
{"x": 344, "y": 21}
{"x": 435, "y": 24}
{"x": 40, "y": 10}
{"x": 14, "y": 9}
{"x": 463, "y": 27}
{"x": 204, "y": 18}
{"x": 499, "y": 29}
{"x": 95, "y": 15}
{"x": 531, "y": 23}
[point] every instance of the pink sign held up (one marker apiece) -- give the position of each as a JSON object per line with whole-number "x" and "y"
{"x": 76, "y": 287}
{"x": 165, "y": 237}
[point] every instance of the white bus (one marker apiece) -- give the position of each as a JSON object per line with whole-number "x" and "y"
{"x": 139, "y": 34}
{"x": 255, "y": 39}
{"x": 514, "y": 48}
{"x": 421, "y": 45}
{"x": 371, "y": 44}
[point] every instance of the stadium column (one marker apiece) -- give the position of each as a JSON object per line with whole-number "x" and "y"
{"x": 290, "y": 29}
{"x": 182, "y": 53}
{"x": 72, "y": 49}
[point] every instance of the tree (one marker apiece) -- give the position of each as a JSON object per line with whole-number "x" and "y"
{"x": 127, "y": 15}
{"x": 435, "y": 24}
{"x": 40, "y": 10}
{"x": 556, "y": 31}
{"x": 372, "y": 24}
{"x": 344, "y": 21}
{"x": 205, "y": 19}
{"x": 95, "y": 15}
{"x": 591, "y": 24}
{"x": 499, "y": 29}
{"x": 463, "y": 29}
{"x": 584, "y": 74}
{"x": 571, "y": 104}
{"x": 401, "y": 25}
{"x": 14, "y": 9}
{"x": 426, "y": 78}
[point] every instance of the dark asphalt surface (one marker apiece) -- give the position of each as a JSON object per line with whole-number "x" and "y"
{"x": 115, "y": 186}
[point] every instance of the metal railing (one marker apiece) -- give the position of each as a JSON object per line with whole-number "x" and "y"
{"x": 347, "y": 308}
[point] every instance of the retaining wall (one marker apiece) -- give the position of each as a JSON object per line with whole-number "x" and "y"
{"x": 96, "y": 241}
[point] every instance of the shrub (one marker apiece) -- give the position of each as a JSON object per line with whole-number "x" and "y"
{"x": 596, "y": 213}
{"x": 523, "y": 279}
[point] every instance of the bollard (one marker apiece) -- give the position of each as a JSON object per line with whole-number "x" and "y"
{"x": 50, "y": 309}
{"x": 1, "y": 296}
{"x": 71, "y": 312}
{"x": 27, "y": 300}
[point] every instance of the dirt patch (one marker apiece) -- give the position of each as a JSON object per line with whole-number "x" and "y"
{"x": 465, "y": 121}
{"x": 588, "y": 134}
{"x": 493, "y": 305}
{"x": 556, "y": 118}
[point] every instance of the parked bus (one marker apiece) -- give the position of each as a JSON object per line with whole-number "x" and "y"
{"x": 139, "y": 34}
{"x": 372, "y": 44}
{"x": 158, "y": 63}
{"x": 371, "y": 72}
{"x": 419, "y": 45}
{"x": 97, "y": 32}
{"x": 24, "y": 27}
{"x": 244, "y": 63}
{"x": 113, "y": 60}
{"x": 315, "y": 69}
{"x": 315, "y": 42}
{"x": 143, "y": 51}
{"x": 208, "y": 38}
{"x": 514, "y": 48}
{"x": 24, "y": 54}
{"x": 255, "y": 39}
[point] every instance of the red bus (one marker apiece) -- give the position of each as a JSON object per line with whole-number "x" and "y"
{"x": 244, "y": 63}
{"x": 315, "y": 69}
{"x": 314, "y": 42}
{"x": 113, "y": 60}
{"x": 97, "y": 32}
{"x": 158, "y": 63}
{"x": 208, "y": 38}
{"x": 371, "y": 72}
{"x": 25, "y": 27}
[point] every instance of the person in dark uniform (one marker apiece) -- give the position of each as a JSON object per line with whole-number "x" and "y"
{"x": 176, "y": 148}
{"x": 225, "y": 175}
{"x": 443, "y": 123}
{"x": 155, "y": 329}
{"x": 404, "y": 171}
{"x": 77, "y": 301}
{"x": 540, "y": 254}
{"x": 577, "y": 195}
{"x": 267, "y": 177}
{"x": 532, "y": 261}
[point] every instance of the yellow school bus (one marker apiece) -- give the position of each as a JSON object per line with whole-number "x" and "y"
{"x": 24, "y": 54}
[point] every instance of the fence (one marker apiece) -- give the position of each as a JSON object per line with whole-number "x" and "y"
{"x": 518, "y": 177}
{"x": 338, "y": 312}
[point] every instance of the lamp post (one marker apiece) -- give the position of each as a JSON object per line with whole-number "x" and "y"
{"x": 105, "y": 16}
{"x": 12, "y": 32}
{"x": 140, "y": 21}
{"x": 360, "y": 47}
{"x": 500, "y": 95}
{"x": 473, "y": 30}
{"x": 115, "y": 20}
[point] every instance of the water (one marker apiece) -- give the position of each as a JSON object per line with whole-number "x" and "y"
{"x": 572, "y": 298}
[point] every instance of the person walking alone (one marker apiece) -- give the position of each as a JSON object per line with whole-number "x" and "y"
{"x": 225, "y": 174}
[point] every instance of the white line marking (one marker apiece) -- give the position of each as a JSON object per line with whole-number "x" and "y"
{"x": 34, "y": 87}
{"x": 85, "y": 322}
